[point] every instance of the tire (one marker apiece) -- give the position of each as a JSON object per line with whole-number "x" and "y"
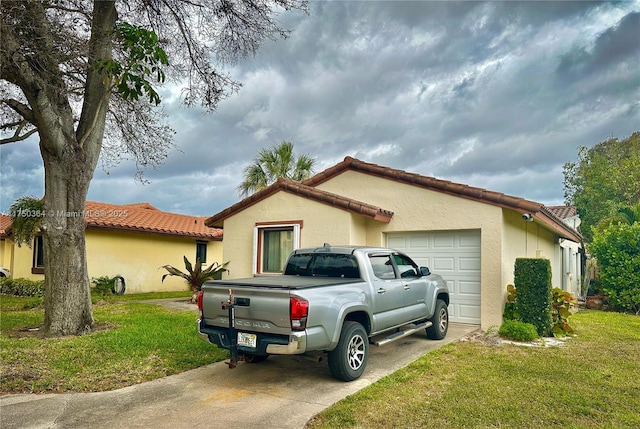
{"x": 440, "y": 321}
{"x": 119, "y": 285}
{"x": 349, "y": 359}
{"x": 250, "y": 358}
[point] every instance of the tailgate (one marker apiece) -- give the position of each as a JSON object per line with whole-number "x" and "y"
{"x": 264, "y": 310}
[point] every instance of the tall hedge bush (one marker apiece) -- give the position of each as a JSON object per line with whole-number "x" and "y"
{"x": 617, "y": 250}
{"x": 532, "y": 279}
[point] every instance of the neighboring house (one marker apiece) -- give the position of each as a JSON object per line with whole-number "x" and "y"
{"x": 131, "y": 240}
{"x": 471, "y": 236}
{"x": 573, "y": 260}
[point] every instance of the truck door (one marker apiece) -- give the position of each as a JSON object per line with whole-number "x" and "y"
{"x": 389, "y": 293}
{"x": 414, "y": 286}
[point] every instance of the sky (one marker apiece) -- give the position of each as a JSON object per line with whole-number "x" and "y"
{"x": 496, "y": 95}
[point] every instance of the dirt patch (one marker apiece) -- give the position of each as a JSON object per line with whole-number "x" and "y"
{"x": 491, "y": 338}
{"x": 37, "y": 332}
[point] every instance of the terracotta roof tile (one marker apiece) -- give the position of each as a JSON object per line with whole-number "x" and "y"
{"x": 563, "y": 212}
{"x": 5, "y": 223}
{"x": 457, "y": 189}
{"x": 143, "y": 217}
{"x": 538, "y": 210}
{"x": 309, "y": 192}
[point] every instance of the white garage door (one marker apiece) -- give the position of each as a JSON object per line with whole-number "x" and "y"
{"x": 455, "y": 255}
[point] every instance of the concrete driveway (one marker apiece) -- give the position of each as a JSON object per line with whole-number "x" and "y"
{"x": 282, "y": 392}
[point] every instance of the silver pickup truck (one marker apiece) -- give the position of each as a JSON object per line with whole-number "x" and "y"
{"x": 333, "y": 300}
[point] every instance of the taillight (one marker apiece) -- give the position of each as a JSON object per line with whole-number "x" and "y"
{"x": 298, "y": 312}
{"x": 200, "y": 295}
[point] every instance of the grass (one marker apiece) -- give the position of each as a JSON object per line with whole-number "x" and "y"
{"x": 134, "y": 342}
{"x": 591, "y": 382}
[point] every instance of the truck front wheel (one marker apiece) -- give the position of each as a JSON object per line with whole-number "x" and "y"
{"x": 349, "y": 359}
{"x": 440, "y": 321}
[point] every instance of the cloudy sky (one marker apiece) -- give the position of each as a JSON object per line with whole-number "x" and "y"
{"x": 496, "y": 95}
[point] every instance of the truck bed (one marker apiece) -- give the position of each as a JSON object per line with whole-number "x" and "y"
{"x": 281, "y": 282}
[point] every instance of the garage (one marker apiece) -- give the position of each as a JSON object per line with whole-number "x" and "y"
{"x": 455, "y": 255}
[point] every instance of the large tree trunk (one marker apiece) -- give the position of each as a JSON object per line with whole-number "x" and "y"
{"x": 70, "y": 158}
{"x": 67, "y": 298}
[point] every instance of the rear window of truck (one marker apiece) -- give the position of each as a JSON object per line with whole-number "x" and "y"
{"x": 323, "y": 265}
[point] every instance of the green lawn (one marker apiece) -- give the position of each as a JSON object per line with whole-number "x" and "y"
{"x": 133, "y": 342}
{"x": 591, "y": 382}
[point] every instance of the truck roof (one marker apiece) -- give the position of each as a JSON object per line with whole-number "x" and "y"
{"x": 342, "y": 249}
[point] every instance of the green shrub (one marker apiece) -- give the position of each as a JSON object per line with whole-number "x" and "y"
{"x": 617, "y": 250}
{"x": 532, "y": 280}
{"x": 562, "y": 303}
{"x": 510, "y": 312}
{"x": 21, "y": 287}
{"x": 518, "y": 331}
{"x": 103, "y": 286}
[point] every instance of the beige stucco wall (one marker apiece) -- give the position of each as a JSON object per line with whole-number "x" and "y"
{"x": 418, "y": 209}
{"x": 137, "y": 257}
{"x": 134, "y": 256}
{"x": 503, "y": 231}
{"x": 321, "y": 224}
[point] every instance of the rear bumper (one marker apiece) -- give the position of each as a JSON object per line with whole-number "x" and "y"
{"x": 267, "y": 344}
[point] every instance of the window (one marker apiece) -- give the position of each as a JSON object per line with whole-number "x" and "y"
{"x": 201, "y": 251}
{"x": 38, "y": 255}
{"x": 406, "y": 266}
{"x": 382, "y": 266}
{"x": 273, "y": 242}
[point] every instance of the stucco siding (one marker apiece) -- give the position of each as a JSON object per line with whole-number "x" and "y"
{"x": 419, "y": 209}
{"x": 137, "y": 257}
{"x": 322, "y": 224}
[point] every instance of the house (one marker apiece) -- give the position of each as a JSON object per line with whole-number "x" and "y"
{"x": 471, "y": 236}
{"x": 131, "y": 240}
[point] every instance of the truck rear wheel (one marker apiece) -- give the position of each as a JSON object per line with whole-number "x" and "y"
{"x": 440, "y": 321}
{"x": 349, "y": 359}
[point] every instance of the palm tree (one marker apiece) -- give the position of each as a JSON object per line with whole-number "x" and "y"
{"x": 273, "y": 163}
{"x": 629, "y": 214}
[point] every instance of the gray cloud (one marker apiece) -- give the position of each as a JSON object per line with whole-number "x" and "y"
{"x": 497, "y": 95}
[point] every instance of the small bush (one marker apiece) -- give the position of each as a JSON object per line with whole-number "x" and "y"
{"x": 518, "y": 331}
{"x": 562, "y": 304}
{"x": 103, "y": 286}
{"x": 21, "y": 287}
{"x": 510, "y": 312}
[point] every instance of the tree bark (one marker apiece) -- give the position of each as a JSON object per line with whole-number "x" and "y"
{"x": 70, "y": 158}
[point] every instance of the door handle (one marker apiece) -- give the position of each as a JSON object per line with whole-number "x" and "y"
{"x": 381, "y": 291}
{"x": 407, "y": 287}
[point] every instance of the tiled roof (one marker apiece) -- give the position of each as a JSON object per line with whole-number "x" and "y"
{"x": 563, "y": 212}
{"x": 5, "y": 222}
{"x": 140, "y": 217}
{"x": 143, "y": 217}
{"x": 305, "y": 191}
{"x": 445, "y": 186}
{"x": 537, "y": 210}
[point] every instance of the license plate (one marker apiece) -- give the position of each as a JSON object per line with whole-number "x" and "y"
{"x": 247, "y": 340}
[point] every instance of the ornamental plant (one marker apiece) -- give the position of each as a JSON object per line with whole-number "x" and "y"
{"x": 562, "y": 302}
{"x": 195, "y": 275}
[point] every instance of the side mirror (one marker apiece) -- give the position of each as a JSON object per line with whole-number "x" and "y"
{"x": 425, "y": 271}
